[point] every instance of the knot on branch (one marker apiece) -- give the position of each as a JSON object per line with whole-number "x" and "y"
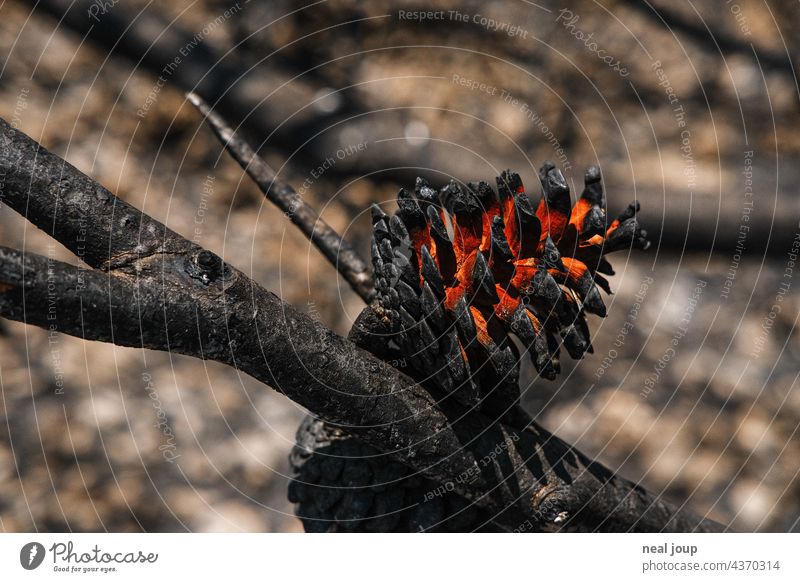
{"x": 552, "y": 505}
{"x": 206, "y": 266}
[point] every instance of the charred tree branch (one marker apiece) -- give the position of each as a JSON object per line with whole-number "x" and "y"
{"x": 159, "y": 291}
{"x": 337, "y": 250}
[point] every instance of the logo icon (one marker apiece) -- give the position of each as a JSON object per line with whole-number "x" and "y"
{"x": 31, "y": 555}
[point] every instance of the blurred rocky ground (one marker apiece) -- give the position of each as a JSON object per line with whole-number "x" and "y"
{"x": 692, "y": 388}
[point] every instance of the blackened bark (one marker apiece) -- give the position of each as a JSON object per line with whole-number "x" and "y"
{"x": 160, "y": 291}
{"x": 333, "y": 247}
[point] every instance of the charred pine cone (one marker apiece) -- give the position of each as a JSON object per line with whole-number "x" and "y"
{"x": 457, "y": 272}
{"x": 508, "y": 268}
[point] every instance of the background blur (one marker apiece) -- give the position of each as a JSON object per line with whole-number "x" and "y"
{"x": 690, "y": 107}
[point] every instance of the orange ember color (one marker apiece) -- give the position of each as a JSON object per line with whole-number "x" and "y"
{"x": 507, "y": 269}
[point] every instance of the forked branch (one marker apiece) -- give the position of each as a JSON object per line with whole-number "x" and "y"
{"x": 337, "y": 250}
{"x": 149, "y": 287}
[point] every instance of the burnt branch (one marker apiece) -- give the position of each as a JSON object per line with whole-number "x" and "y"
{"x": 159, "y": 291}
{"x": 103, "y": 231}
{"x": 337, "y": 250}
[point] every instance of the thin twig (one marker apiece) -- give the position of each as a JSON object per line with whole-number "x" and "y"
{"x": 337, "y": 250}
